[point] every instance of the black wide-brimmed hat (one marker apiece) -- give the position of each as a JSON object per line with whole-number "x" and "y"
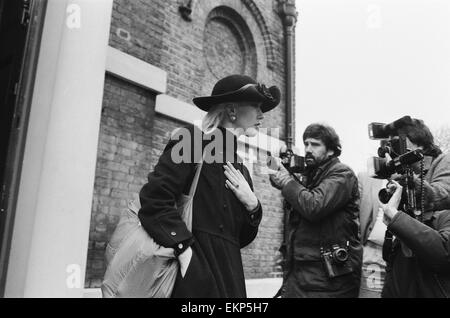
{"x": 240, "y": 88}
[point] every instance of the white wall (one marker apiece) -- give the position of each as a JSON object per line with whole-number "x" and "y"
{"x": 51, "y": 230}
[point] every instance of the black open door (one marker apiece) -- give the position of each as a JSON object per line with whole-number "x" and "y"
{"x": 21, "y": 24}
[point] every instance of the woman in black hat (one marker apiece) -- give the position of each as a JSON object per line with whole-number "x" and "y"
{"x": 226, "y": 212}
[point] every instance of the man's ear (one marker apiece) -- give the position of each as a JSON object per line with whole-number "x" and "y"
{"x": 330, "y": 153}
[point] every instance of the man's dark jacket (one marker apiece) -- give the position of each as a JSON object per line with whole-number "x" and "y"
{"x": 427, "y": 272}
{"x": 324, "y": 212}
{"x": 221, "y": 225}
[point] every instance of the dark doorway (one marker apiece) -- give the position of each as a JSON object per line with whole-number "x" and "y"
{"x": 21, "y": 24}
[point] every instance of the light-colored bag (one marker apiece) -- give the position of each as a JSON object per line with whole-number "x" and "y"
{"x": 138, "y": 267}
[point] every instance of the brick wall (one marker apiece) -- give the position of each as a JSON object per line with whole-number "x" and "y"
{"x": 125, "y": 154}
{"x": 154, "y": 32}
{"x": 132, "y": 136}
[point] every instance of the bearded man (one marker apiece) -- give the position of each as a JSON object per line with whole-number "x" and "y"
{"x": 324, "y": 253}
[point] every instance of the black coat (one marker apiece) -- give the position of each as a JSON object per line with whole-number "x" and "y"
{"x": 427, "y": 273}
{"x": 221, "y": 225}
{"x": 325, "y": 213}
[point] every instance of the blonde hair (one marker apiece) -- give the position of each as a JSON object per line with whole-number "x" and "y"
{"x": 214, "y": 118}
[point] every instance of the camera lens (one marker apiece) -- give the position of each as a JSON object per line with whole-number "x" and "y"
{"x": 384, "y": 196}
{"x": 382, "y": 151}
{"x": 340, "y": 255}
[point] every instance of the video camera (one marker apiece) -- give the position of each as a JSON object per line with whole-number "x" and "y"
{"x": 292, "y": 162}
{"x": 393, "y": 142}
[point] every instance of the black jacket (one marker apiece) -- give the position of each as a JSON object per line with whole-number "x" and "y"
{"x": 325, "y": 212}
{"x": 427, "y": 272}
{"x": 221, "y": 225}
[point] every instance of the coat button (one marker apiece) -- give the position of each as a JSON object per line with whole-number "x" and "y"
{"x": 173, "y": 233}
{"x": 180, "y": 246}
{"x": 221, "y": 227}
{"x": 225, "y": 206}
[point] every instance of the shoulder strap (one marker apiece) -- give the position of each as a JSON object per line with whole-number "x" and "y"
{"x": 196, "y": 177}
{"x": 186, "y": 212}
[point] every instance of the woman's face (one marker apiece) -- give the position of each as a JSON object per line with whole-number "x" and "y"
{"x": 249, "y": 118}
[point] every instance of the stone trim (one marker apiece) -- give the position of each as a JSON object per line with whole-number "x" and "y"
{"x": 188, "y": 113}
{"x": 136, "y": 71}
{"x": 177, "y": 109}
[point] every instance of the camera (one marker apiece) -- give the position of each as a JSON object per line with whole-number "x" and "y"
{"x": 384, "y": 169}
{"x": 385, "y": 131}
{"x": 394, "y": 144}
{"x": 292, "y": 162}
{"x": 336, "y": 260}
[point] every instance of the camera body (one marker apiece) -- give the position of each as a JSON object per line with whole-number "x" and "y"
{"x": 292, "y": 162}
{"x": 336, "y": 260}
{"x": 384, "y": 169}
{"x": 394, "y": 144}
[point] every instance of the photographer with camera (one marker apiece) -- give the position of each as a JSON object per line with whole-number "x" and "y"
{"x": 418, "y": 250}
{"x": 324, "y": 252}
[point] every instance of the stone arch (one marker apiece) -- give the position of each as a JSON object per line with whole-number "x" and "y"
{"x": 253, "y": 8}
{"x": 234, "y": 50}
{"x": 251, "y": 14}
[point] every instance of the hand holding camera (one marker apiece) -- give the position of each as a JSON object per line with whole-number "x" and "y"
{"x": 280, "y": 178}
{"x": 285, "y": 166}
{"x": 390, "y": 209}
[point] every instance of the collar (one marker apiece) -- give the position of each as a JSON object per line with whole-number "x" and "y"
{"x": 312, "y": 175}
{"x": 324, "y": 165}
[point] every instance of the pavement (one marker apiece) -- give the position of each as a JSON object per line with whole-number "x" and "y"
{"x": 256, "y": 288}
{"x": 262, "y": 288}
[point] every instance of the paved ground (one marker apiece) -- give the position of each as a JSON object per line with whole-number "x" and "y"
{"x": 262, "y": 288}
{"x": 256, "y": 288}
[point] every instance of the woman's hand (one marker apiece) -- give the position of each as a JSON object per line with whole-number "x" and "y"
{"x": 390, "y": 209}
{"x": 240, "y": 187}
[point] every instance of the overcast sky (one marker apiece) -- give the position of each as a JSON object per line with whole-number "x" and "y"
{"x": 360, "y": 61}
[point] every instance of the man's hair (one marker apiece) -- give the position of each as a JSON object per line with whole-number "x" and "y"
{"x": 421, "y": 135}
{"x": 326, "y": 134}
